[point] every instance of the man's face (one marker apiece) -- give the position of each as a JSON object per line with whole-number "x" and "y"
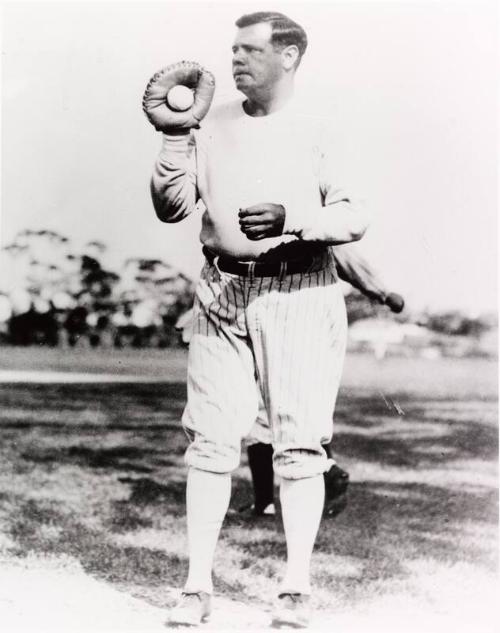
{"x": 257, "y": 66}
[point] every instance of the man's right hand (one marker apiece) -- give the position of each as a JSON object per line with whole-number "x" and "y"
{"x": 155, "y": 105}
{"x": 262, "y": 220}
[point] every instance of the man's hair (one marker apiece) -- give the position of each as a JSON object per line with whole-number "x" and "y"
{"x": 285, "y": 32}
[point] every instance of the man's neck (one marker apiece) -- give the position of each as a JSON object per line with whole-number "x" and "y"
{"x": 262, "y": 104}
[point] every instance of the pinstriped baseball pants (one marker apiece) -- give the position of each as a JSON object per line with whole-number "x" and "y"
{"x": 284, "y": 336}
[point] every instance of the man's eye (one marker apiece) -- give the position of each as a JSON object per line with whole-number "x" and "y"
{"x": 247, "y": 49}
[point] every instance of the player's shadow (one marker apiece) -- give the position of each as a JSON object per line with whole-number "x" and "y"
{"x": 145, "y": 491}
{"x": 423, "y": 479}
{"x": 98, "y": 555}
{"x": 118, "y": 427}
{"x": 95, "y": 404}
{"x": 422, "y": 438}
{"x": 387, "y": 527}
{"x": 134, "y": 459}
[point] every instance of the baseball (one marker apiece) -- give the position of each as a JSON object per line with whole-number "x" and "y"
{"x": 180, "y": 98}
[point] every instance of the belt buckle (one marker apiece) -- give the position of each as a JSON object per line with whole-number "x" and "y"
{"x": 315, "y": 264}
{"x": 251, "y": 270}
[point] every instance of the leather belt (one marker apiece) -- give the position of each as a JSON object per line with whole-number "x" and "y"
{"x": 307, "y": 264}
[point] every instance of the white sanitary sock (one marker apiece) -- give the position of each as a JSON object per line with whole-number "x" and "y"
{"x": 207, "y": 501}
{"x": 302, "y": 506}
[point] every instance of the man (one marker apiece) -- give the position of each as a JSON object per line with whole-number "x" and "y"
{"x": 269, "y": 309}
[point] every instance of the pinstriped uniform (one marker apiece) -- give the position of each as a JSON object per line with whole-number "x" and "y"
{"x": 278, "y": 338}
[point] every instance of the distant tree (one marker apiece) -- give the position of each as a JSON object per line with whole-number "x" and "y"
{"x": 97, "y": 283}
{"x": 37, "y": 255}
{"x": 455, "y": 323}
{"x": 156, "y": 280}
{"x": 64, "y": 288}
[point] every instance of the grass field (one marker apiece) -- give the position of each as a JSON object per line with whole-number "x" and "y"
{"x": 94, "y": 473}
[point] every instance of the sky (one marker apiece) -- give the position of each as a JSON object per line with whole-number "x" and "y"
{"x": 410, "y": 87}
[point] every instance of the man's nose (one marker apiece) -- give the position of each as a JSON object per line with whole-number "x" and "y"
{"x": 238, "y": 57}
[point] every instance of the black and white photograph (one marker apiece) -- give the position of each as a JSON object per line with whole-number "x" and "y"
{"x": 249, "y": 316}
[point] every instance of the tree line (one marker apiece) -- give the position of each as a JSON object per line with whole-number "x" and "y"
{"x": 56, "y": 293}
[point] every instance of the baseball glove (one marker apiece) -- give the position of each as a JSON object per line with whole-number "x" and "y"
{"x": 155, "y": 105}
{"x": 336, "y": 485}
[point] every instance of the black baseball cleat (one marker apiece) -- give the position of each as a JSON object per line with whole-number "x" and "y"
{"x": 251, "y": 510}
{"x": 336, "y": 484}
{"x": 193, "y": 608}
{"x": 292, "y": 611}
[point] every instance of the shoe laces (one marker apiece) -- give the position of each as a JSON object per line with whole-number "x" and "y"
{"x": 191, "y": 595}
{"x": 295, "y": 597}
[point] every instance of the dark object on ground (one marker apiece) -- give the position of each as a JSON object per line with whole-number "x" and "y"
{"x": 249, "y": 511}
{"x": 336, "y": 485}
{"x": 260, "y": 461}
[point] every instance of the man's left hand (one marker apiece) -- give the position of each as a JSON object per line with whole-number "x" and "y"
{"x": 262, "y": 220}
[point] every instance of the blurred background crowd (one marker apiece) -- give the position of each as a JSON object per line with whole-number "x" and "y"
{"x": 56, "y": 295}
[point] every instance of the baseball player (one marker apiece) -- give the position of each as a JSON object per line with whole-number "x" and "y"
{"x": 269, "y": 310}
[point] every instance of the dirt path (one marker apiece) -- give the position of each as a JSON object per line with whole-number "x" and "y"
{"x": 26, "y": 376}
{"x": 53, "y": 595}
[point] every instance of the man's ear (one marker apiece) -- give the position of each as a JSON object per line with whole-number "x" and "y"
{"x": 290, "y": 56}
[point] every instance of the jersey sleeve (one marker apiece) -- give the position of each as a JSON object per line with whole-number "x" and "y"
{"x": 354, "y": 269}
{"x": 341, "y": 217}
{"x": 173, "y": 183}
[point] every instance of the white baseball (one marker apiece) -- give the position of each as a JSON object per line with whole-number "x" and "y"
{"x": 180, "y": 98}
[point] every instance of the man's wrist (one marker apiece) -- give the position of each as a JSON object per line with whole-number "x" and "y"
{"x": 175, "y": 145}
{"x": 292, "y": 224}
{"x": 175, "y": 133}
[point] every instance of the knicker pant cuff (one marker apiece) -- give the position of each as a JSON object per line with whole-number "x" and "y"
{"x": 300, "y": 463}
{"x": 214, "y": 458}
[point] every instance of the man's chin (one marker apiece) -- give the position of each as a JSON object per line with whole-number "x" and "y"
{"x": 242, "y": 80}
{"x": 243, "y": 87}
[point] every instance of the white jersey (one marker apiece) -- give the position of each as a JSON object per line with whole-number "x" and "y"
{"x": 236, "y": 160}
